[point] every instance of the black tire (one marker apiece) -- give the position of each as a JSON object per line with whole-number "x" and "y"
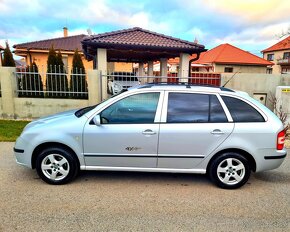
{"x": 56, "y": 166}
{"x": 229, "y": 170}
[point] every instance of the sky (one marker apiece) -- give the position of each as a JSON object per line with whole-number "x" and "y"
{"x": 252, "y": 25}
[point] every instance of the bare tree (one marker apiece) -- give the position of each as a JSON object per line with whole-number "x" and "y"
{"x": 283, "y": 33}
{"x": 281, "y": 114}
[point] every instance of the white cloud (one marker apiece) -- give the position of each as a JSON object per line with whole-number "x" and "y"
{"x": 8, "y": 7}
{"x": 252, "y": 12}
{"x": 253, "y": 35}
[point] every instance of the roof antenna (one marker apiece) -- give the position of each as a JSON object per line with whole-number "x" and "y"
{"x": 89, "y": 31}
{"x": 231, "y": 78}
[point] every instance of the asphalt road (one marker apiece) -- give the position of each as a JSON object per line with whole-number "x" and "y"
{"x": 123, "y": 201}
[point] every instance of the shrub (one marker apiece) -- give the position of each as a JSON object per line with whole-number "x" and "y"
{"x": 78, "y": 81}
{"x": 56, "y": 78}
{"x": 30, "y": 82}
{"x": 8, "y": 60}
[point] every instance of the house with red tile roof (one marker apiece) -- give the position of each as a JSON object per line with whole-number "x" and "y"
{"x": 37, "y": 51}
{"x": 279, "y": 54}
{"x": 228, "y": 58}
{"x": 221, "y": 59}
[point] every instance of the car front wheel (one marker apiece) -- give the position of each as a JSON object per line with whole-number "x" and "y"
{"x": 230, "y": 170}
{"x": 56, "y": 166}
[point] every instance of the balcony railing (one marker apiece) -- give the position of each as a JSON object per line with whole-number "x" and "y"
{"x": 284, "y": 61}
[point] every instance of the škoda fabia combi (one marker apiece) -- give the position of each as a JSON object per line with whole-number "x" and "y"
{"x": 158, "y": 128}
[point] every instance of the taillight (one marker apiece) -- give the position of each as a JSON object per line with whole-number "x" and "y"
{"x": 280, "y": 140}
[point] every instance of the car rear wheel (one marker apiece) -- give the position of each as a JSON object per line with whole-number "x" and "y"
{"x": 229, "y": 170}
{"x": 56, "y": 166}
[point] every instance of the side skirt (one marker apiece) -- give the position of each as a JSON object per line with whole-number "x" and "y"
{"x": 137, "y": 169}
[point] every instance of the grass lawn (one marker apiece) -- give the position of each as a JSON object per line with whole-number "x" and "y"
{"x": 11, "y": 129}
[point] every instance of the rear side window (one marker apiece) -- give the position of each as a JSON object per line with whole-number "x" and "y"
{"x": 242, "y": 111}
{"x": 194, "y": 108}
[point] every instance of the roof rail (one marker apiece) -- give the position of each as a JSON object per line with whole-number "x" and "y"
{"x": 187, "y": 85}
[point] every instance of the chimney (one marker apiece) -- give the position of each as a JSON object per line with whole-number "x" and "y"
{"x": 65, "y": 32}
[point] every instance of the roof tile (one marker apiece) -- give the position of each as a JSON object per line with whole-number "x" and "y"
{"x": 69, "y": 43}
{"x": 282, "y": 45}
{"x": 138, "y": 36}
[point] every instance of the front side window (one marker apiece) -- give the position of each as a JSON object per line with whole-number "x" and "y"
{"x": 194, "y": 108}
{"x": 135, "y": 109}
{"x": 242, "y": 111}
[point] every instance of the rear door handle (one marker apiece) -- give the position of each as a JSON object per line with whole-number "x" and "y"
{"x": 217, "y": 132}
{"x": 148, "y": 132}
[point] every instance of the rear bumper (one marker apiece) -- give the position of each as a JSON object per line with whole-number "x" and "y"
{"x": 275, "y": 157}
{"x": 268, "y": 159}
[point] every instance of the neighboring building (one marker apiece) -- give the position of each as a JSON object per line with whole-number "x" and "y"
{"x": 222, "y": 59}
{"x": 279, "y": 54}
{"x": 37, "y": 51}
{"x": 227, "y": 58}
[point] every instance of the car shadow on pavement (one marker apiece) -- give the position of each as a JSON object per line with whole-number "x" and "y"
{"x": 272, "y": 176}
{"x": 146, "y": 177}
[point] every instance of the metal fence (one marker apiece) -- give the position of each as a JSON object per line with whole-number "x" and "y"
{"x": 53, "y": 82}
{"x": 119, "y": 81}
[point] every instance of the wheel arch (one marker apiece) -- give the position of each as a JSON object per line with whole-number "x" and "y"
{"x": 244, "y": 153}
{"x": 43, "y": 146}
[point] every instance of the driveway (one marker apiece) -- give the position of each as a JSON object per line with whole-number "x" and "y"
{"x": 123, "y": 201}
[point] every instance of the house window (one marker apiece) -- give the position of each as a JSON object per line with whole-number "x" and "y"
{"x": 286, "y": 55}
{"x": 229, "y": 69}
{"x": 65, "y": 62}
{"x": 270, "y": 57}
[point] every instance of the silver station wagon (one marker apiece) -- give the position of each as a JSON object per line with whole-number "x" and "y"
{"x": 158, "y": 128}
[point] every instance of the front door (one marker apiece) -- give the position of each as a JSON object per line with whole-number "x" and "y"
{"x": 128, "y": 134}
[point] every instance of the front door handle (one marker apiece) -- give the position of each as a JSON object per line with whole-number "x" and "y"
{"x": 217, "y": 132}
{"x": 148, "y": 132}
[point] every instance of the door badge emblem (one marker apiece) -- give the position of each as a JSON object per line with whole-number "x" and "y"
{"x": 132, "y": 148}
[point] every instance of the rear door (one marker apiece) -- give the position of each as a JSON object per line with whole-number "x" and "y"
{"x": 194, "y": 124}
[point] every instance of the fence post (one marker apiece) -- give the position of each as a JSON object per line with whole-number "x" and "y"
{"x": 94, "y": 86}
{"x": 8, "y": 91}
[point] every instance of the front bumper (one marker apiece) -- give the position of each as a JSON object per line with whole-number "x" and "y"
{"x": 21, "y": 152}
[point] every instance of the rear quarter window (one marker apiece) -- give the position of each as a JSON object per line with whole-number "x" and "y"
{"x": 242, "y": 111}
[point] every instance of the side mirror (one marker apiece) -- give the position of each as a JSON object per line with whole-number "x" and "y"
{"x": 97, "y": 120}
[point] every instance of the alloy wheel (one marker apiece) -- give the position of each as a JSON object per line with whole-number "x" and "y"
{"x": 231, "y": 171}
{"x": 55, "y": 167}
